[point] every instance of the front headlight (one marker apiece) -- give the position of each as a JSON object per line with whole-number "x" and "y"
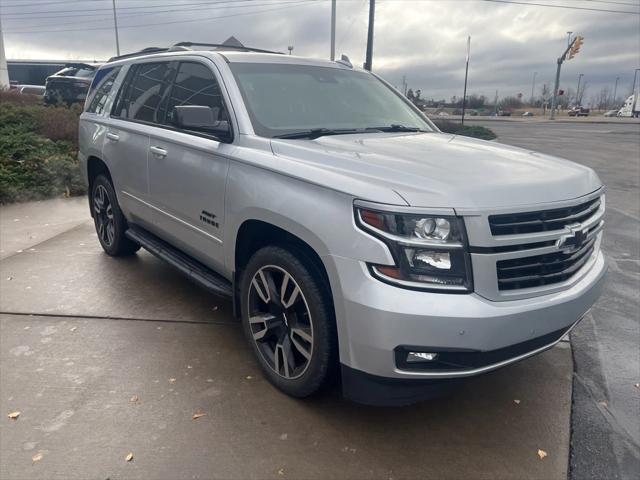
{"x": 430, "y": 251}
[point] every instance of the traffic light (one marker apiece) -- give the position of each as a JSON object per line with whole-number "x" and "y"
{"x": 575, "y": 47}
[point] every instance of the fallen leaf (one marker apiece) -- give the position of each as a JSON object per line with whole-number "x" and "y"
{"x": 189, "y": 366}
{"x": 281, "y": 471}
{"x": 517, "y": 402}
{"x": 197, "y": 415}
{"x": 14, "y": 415}
{"x": 9, "y": 278}
{"x": 215, "y": 308}
{"x": 602, "y": 404}
{"x": 37, "y": 457}
{"x": 172, "y": 380}
{"x": 135, "y": 399}
{"x": 248, "y": 377}
{"x": 284, "y": 436}
{"x": 27, "y": 327}
{"x": 637, "y": 385}
{"x": 129, "y": 457}
{"x": 73, "y": 329}
{"x": 542, "y": 454}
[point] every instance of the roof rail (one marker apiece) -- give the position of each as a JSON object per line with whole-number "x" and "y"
{"x": 186, "y": 46}
{"x": 144, "y": 51}
{"x": 223, "y": 46}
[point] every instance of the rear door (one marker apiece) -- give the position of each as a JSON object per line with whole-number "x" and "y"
{"x": 188, "y": 170}
{"x": 138, "y": 111}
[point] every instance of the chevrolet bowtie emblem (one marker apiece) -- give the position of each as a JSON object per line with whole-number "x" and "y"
{"x": 571, "y": 242}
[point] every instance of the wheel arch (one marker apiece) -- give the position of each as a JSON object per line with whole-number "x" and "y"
{"x": 95, "y": 166}
{"x": 254, "y": 234}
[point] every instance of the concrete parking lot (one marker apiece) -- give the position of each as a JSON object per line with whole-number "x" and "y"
{"x": 105, "y": 357}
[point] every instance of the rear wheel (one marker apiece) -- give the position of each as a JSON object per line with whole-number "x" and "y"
{"x": 288, "y": 320}
{"x": 108, "y": 219}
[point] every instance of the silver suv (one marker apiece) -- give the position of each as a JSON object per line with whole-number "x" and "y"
{"x": 355, "y": 239}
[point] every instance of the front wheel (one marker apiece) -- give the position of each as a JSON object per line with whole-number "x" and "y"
{"x": 288, "y": 320}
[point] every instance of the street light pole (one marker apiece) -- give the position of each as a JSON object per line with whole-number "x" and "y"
{"x": 466, "y": 75}
{"x": 569, "y": 38}
{"x": 578, "y": 99}
{"x": 115, "y": 25}
{"x": 368, "y": 63}
{"x": 533, "y": 87}
{"x": 333, "y": 30}
{"x": 615, "y": 91}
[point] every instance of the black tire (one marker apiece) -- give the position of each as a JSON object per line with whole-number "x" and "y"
{"x": 321, "y": 366}
{"x": 108, "y": 219}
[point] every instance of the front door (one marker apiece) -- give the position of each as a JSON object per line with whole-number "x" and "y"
{"x": 188, "y": 171}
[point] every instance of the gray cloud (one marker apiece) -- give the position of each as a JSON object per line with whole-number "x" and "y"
{"x": 424, "y": 40}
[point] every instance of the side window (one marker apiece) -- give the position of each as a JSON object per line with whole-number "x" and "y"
{"x": 102, "y": 82}
{"x": 146, "y": 95}
{"x": 195, "y": 84}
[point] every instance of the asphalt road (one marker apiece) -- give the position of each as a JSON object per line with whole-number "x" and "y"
{"x": 105, "y": 356}
{"x": 606, "y": 345}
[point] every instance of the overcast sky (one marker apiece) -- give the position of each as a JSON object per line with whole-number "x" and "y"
{"x": 422, "y": 39}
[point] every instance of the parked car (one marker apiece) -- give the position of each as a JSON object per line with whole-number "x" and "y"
{"x": 355, "y": 240}
{"x": 527, "y": 114}
{"x": 611, "y": 113}
{"x": 70, "y": 85}
{"x": 32, "y": 90}
{"x": 504, "y": 113}
{"x": 578, "y": 112}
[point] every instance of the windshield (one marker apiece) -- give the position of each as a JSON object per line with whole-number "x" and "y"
{"x": 283, "y": 99}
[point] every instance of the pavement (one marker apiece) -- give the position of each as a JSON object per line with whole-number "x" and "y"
{"x": 606, "y": 344}
{"x": 104, "y": 357}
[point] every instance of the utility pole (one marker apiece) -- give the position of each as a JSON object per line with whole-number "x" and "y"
{"x": 615, "y": 91}
{"x": 466, "y": 75}
{"x": 368, "y": 63}
{"x": 4, "y": 71}
{"x": 635, "y": 76}
{"x": 578, "y": 99}
{"x": 333, "y": 30}
{"x": 572, "y": 50}
{"x": 495, "y": 104}
{"x": 115, "y": 25}
{"x": 533, "y": 87}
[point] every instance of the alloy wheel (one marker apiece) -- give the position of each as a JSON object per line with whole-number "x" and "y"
{"x": 280, "y": 321}
{"x": 103, "y": 213}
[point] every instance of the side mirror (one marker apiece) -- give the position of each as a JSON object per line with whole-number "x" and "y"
{"x": 200, "y": 118}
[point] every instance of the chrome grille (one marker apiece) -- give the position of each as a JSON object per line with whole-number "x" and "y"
{"x": 541, "y": 270}
{"x": 543, "y": 220}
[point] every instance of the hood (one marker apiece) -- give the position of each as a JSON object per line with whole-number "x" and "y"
{"x": 442, "y": 170}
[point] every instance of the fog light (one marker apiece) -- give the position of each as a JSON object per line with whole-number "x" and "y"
{"x": 413, "y": 357}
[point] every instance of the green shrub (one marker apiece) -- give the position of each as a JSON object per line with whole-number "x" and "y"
{"x": 475, "y": 131}
{"x": 38, "y": 152}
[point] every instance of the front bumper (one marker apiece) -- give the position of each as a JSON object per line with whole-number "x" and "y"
{"x": 375, "y": 319}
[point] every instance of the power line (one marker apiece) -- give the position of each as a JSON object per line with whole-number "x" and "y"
{"x": 562, "y": 6}
{"x": 22, "y": 14}
{"x": 26, "y": 28}
{"x": 143, "y": 25}
{"x": 616, "y": 3}
{"x": 39, "y": 4}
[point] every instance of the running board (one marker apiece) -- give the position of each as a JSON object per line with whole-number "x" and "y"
{"x": 195, "y": 270}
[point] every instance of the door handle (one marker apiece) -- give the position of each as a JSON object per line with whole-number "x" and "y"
{"x": 158, "y": 152}
{"x": 113, "y": 137}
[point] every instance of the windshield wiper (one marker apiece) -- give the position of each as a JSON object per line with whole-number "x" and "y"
{"x": 394, "y": 127}
{"x": 317, "y": 133}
